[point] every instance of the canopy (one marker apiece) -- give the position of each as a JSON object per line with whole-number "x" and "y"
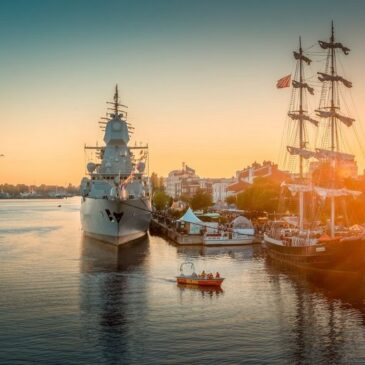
{"x": 241, "y": 222}
{"x": 190, "y": 217}
{"x": 357, "y": 228}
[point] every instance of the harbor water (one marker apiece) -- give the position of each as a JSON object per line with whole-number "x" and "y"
{"x": 66, "y": 299}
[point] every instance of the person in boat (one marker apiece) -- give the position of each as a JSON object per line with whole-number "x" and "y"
{"x": 202, "y": 275}
{"x": 210, "y": 276}
{"x": 217, "y": 275}
{"x": 194, "y": 275}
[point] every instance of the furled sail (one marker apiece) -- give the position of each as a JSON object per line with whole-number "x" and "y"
{"x": 299, "y": 56}
{"x": 296, "y": 188}
{"x": 326, "y": 45}
{"x": 329, "y": 114}
{"x": 326, "y": 77}
{"x": 295, "y": 116}
{"x": 297, "y": 84}
{"x": 328, "y": 154}
{"x": 301, "y": 152}
{"x": 328, "y": 193}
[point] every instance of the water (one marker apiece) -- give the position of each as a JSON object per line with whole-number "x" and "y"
{"x": 65, "y": 299}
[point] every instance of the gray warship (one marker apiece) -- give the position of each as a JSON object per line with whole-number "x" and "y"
{"x": 115, "y": 202}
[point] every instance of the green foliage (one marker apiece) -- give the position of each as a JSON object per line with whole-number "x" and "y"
{"x": 184, "y": 198}
{"x": 201, "y": 200}
{"x": 262, "y": 195}
{"x": 231, "y": 199}
{"x": 161, "y": 200}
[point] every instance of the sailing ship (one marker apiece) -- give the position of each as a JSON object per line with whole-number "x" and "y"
{"x": 115, "y": 204}
{"x": 311, "y": 246}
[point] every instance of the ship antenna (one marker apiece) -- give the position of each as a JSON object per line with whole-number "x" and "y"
{"x": 116, "y": 101}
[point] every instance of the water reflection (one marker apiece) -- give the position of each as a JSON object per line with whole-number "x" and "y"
{"x": 110, "y": 277}
{"x": 322, "y": 317}
{"x": 209, "y": 291}
{"x": 234, "y": 252}
{"x": 98, "y": 256}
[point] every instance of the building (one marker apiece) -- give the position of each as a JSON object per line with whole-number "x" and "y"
{"x": 220, "y": 190}
{"x": 266, "y": 169}
{"x": 237, "y": 187}
{"x": 182, "y": 182}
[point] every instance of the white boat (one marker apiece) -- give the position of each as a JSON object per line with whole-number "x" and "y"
{"x": 227, "y": 238}
{"x": 115, "y": 204}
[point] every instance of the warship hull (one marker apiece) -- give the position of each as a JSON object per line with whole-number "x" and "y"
{"x": 115, "y": 221}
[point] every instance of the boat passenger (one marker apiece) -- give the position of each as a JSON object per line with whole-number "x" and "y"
{"x": 203, "y": 274}
{"x": 217, "y": 275}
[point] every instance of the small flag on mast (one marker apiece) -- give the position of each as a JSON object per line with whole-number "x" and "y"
{"x": 283, "y": 82}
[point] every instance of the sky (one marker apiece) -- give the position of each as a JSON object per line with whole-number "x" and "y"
{"x": 198, "y": 77}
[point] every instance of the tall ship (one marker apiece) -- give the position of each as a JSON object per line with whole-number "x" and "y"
{"x": 116, "y": 202}
{"x": 307, "y": 241}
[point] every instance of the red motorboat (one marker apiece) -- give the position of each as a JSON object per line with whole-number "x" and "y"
{"x": 204, "y": 279}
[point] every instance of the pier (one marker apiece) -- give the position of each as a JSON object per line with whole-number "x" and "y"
{"x": 163, "y": 229}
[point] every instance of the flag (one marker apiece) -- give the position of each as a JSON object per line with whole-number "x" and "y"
{"x": 283, "y": 82}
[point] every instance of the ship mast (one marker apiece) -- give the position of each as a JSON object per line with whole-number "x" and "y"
{"x": 333, "y": 78}
{"x": 116, "y": 105}
{"x": 333, "y": 131}
{"x": 301, "y": 116}
{"x": 116, "y": 100}
{"x": 301, "y": 121}
{"x": 301, "y": 141}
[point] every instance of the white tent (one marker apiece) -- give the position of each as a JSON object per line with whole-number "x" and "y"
{"x": 190, "y": 218}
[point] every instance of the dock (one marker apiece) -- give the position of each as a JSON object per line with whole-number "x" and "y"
{"x": 183, "y": 239}
{"x": 180, "y": 238}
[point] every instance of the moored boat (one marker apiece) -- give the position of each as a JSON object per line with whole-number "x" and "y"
{"x": 323, "y": 250}
{"x": 227, "y": 238}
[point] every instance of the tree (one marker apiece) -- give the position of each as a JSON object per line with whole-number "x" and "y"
{"x": 201, "y": 200}
{"x": 154, "y": 181}
{"x": 161, "y": 200}
{"x": 231, "y": 199}
{"x": 262, "y": 195}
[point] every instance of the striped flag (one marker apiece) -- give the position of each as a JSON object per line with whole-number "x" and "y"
{"x": 283, "y": 82}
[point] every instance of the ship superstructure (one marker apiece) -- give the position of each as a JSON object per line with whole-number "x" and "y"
{"x": 115, "y": 205}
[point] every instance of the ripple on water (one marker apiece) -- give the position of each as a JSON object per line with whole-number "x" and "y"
{"x": 73, "y": 300}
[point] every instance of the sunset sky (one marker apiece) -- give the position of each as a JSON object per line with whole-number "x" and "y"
{"x": 198, "y": 76}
